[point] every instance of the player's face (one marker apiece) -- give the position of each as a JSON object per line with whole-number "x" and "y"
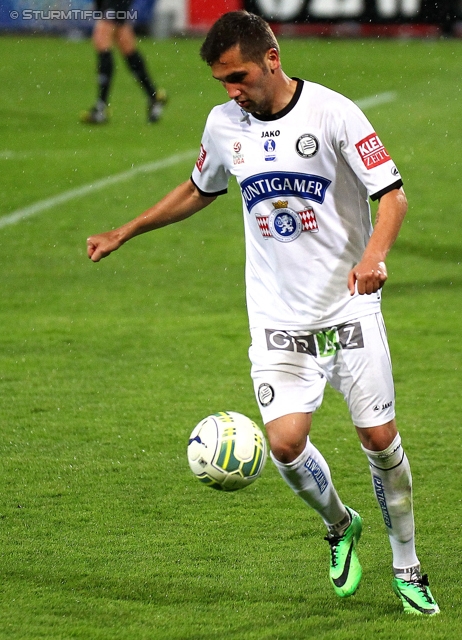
{"x": 248, "y": 83}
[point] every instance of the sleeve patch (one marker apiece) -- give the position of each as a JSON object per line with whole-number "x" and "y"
{"x": 201, "y": 158}
{"x": 372, "y": 152}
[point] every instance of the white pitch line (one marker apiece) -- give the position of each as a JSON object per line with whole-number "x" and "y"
{"x": 48, "y": 203}
{"x": 92, "y": 187}
{"x": 379, "y": 98}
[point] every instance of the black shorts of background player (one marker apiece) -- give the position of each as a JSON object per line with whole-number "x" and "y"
{"x": 114, "y": 29}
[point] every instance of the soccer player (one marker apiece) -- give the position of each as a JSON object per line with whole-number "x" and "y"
{"x": 114, "y": 30}
{"x": 307, "y": 161}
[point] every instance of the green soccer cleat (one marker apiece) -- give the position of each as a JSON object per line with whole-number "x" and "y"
{"x": 345, "y": 571}
{"x": 416, "y": 595}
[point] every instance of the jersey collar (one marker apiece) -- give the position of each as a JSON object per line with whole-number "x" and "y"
{"x": 287, "y": 108}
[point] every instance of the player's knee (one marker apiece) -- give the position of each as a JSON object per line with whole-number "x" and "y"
{"x": 378, "y": 438}
{"x": 287, "y": 436}
{"x": 125, "y": 40}
{"x": 286, "y": 450}
{"x": 103, "y": 35}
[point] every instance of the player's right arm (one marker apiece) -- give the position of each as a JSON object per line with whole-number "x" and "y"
{"x": 179, "y": 204}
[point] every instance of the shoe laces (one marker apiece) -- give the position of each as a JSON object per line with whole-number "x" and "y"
{"x": 422, "y": 584}
{"x": 333, "y": 541}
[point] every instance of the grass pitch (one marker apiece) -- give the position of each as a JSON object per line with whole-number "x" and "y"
{"x": 105, "y": 369}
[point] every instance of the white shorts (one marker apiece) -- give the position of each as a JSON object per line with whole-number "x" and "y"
{"x": 290, "y": 370}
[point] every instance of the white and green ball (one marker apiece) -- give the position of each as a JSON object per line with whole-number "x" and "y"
{"x": 227, "y": 451}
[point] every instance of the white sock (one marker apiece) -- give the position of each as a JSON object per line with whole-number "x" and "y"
{"x": 411, "y": 573}
{"x": 309, "y": 477}
{"x": 392, "y": 482}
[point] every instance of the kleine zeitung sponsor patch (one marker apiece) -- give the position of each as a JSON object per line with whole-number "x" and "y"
{"x": 372, "y": 151}
{"x": 201, "y": 158}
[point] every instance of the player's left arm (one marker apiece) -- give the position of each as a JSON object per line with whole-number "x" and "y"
{"x": 370, "y": 273}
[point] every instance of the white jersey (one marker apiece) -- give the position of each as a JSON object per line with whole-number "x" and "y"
{"x": 305, "y": 174}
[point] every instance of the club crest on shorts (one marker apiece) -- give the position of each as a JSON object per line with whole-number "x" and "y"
{"x": 265, "y": 394}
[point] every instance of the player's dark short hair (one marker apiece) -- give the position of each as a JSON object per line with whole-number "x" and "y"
{"x": 253, "y": 35}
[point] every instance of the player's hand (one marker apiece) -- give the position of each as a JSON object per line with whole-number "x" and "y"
{"x": 102, "y": 245}
{"x": 369, "y": 276}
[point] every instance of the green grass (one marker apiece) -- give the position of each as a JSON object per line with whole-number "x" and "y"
{"x": 105, "y": 369}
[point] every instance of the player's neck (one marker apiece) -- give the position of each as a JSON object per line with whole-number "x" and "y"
{"x": 283, "y": 93}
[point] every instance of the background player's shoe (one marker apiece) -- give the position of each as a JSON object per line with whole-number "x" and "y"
{"x": 156, "y": 106}
{"x": 96, "y": 115}
{"x": 345, "y": 571}
{"x": 415, "y": 595}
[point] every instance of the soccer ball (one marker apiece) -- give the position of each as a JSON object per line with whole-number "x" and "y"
{"x": 227, "y": 451}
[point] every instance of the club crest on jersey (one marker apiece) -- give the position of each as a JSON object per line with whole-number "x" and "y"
{"x": 270, "y": 150}
{"x": 285, "y": 224}
{"x": 307, "y": 145}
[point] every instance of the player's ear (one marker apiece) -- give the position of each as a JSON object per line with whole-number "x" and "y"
{"x": 272, "y": 59}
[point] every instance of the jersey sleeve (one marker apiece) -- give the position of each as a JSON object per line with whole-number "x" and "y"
{"x": 365, "y": 153}
{"x": 209, "y": 175}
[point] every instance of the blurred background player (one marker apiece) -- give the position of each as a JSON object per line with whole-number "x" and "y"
{"x": 114, "y": 30}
